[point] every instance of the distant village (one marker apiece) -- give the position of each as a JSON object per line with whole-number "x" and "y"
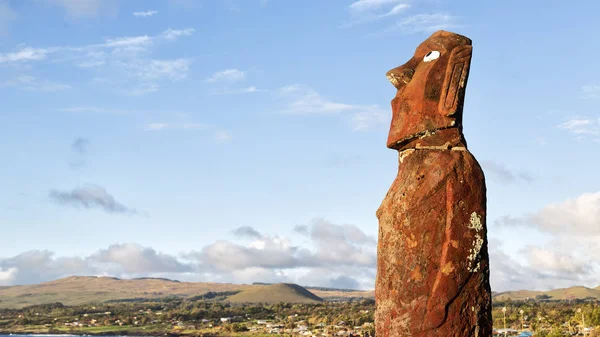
{"x": 326, "y": 319}
{"x": 290, "y": 325}
{"x": 126, "y": 319}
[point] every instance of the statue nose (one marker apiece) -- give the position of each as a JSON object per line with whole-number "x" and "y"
{"x": 400, "y": 76}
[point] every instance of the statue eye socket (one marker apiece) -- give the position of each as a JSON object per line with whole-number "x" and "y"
{"x": 432, "y": 55}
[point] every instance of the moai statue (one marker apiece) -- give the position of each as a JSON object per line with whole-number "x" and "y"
{"x": 432, "y": 257}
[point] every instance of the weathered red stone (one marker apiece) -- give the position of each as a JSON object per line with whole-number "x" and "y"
{"x": 432, "y": 257}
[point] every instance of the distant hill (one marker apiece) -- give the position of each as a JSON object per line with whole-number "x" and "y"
{"x": 517, "y": 295}
{"x": 156, "y": 278}
{"x": 343, "y": 294}
{"x": 334, "y": 293}
{"x": 275, "y": 293}
{"x": 574, "y": 292}
{"x": 577, "y": 292}
{"x": 77, "y": 290}
{"x": 313, "y": 288}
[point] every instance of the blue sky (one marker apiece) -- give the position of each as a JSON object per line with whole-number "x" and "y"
{"x": 244, "y": 141}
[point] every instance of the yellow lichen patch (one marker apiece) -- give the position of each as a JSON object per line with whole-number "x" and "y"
{"x": 411, "y": 242}
{"x": 475, "y": 222}
{"x": 477, "y": 225}
{"x": 448, "y": 268}
{"x": 416, "y": 274}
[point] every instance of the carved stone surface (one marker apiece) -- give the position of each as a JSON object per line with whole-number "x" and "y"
{"x": 432, "y": 257}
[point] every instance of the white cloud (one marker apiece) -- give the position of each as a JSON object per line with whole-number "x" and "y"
{"x": 247, "y": 90}
{"x": 364, "y": 11}
{"x": 223, "y": 136}
{"x": 267, "y": 252}
{"x": 331, "y": 246}
{"x": 39, "y": 266}
{"x": 250, "y": 89}
{"x": 308, "y": 101}
{"x": 24, "y": 54}
{"x": 126, "y": 46}
{"x": 426, "y": 23}
{"x": 352, "y": 246}
{"x": 290, "y": 88}
{"x": 331, "y": 255}
{"x": 396, "y": 10}
{"x": 93, "y": 59}
{"x": 590, "y": 91}
{"x": 580, "y": 215}
{"x": 545, "y": 269}
{"x": 582, "y": 126}
{"x": 171, "y": 34}
{"x": 119, "y": 260}
{"x": 175, "y": 126}
{"x": 7, "y": 276}
{"x": 302, "y": 100}
{"x": 128, "y": 41}
{"x": 142, "y": 89}
{"x": 569, "y": 258}
{"x": 26, "y": 82}
{"x": 577, "y": 125}
{"x": 132, "y": 258}
{"x": 369, "y": 118}
{"x": 553, "y": 261}
{"x": 125, "y": 61}
{"x": 149, "y": 70}
{"x": 145, "y": 13}
{"x": 230, "y": 75}
{"x": 370, "y": 5}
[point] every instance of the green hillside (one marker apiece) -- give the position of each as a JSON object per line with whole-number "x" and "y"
{"x": 577, "y": 292}
{"x": 87, "y": 289}
{"x": 574, "y": 292}
{"x": 517, "y": 295}
{"x": 77, "y": 290}
{"x": 275, "y": 293}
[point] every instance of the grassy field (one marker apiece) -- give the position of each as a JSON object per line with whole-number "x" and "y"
{"x": 128, "y": 330}
{"x": 131, "y": 330}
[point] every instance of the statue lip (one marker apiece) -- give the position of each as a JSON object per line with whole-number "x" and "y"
{"x": 397, "y": 81}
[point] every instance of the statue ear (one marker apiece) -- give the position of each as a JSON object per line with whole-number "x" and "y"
{"x": 455, "y": 82}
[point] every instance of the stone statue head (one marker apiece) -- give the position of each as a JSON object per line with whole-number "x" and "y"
{"x": 431, "y": 88}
